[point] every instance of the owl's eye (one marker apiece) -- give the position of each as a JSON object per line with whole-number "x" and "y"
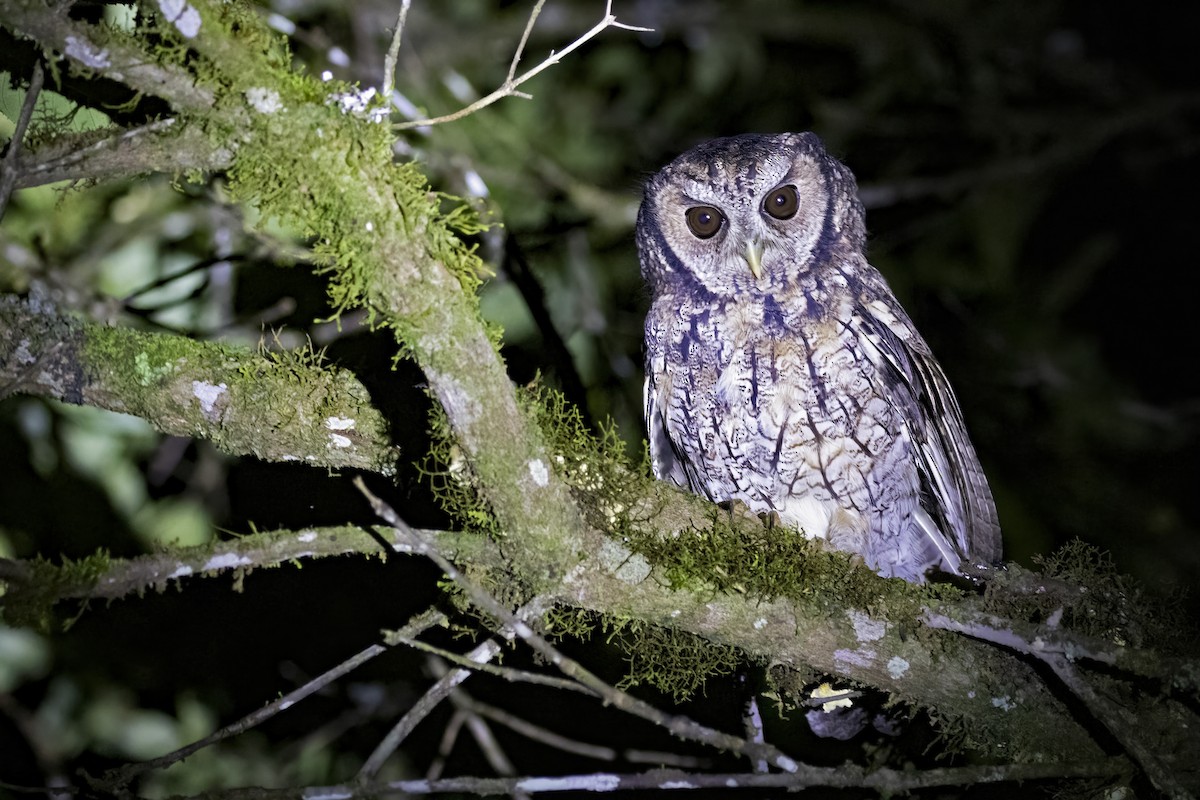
{"x": 782, "y": 202}
{"x": 704, "y": 221}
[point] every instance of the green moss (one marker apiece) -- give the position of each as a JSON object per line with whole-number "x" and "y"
{"x": 1082, "y": 582}
{"x": 454, "y": 485}
{"x": 564, "y": 622}
{"x": 671, "y": 660}
{"x": 332, "y": 203}
{"x": 30, "y": 603}
{"x": 155, "y": 357}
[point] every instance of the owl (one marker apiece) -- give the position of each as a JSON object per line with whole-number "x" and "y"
{"x": 781, "y": 371}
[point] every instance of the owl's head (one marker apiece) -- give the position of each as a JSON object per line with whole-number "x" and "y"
{"x": 747, "y": 214}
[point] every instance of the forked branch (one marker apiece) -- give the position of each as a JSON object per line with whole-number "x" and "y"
{"x": 509, "y": 87}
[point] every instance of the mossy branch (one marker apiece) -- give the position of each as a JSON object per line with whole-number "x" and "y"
{"x": 34, "y": 587}
{"x": 276, "y": 406}
{"x": 161, "y": 146}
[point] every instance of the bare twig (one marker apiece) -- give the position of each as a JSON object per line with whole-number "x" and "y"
{"x": 9, "y": 165}
{"x": 893, "y": 781}
{"x": 1040, "y": 641}
{"x": 752, "y": 720}
{"x": 480, "y": 730}
{"x": 516, "y": 59}
{"x": 509, "y": 87}
{"x": 118, "y": 778}
{"x": 393, "y": 53}
{"x": 441, "y": 690}
{"x": 446, "y": 745}
{"x": 535, "y": 732}
{"x": 507, "y": 673}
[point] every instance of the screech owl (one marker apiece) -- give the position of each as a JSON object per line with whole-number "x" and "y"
{"x": 782, "y": 372}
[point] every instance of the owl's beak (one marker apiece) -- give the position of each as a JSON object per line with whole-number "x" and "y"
{"x": 753, "y": 257}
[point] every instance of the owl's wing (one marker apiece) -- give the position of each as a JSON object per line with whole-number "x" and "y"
{"x": 958, "y": 506}
{"x": 665, "y": 462}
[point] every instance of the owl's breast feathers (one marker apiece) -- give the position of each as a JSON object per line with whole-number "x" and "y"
{"x": 824, "y": 406}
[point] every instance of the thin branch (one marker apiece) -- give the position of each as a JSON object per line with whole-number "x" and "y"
{"x": 482, "y": 732}
{"x": 111, "y": 57}
{"x": 1042, "y": 640}
{"x": 509, "y": 87}
{"x": 884, "y": 781}
{"x": 446, "y": 745}
{"x": 752, "y": 720}
{"x": 121, "y": 776}
{"x": 1126, "y": 731}
{"x": 421, "y": 709}
{"x": 534, "y": 732}
{"x": 507, "y": 673}
{"x": 442, "y": 688}
{"x": 393, "y": 53}
{"x": 516, "y": 59}
{"x": 12, "y": 159}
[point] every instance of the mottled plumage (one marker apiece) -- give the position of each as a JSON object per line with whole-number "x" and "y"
{"x": 781, "y": 371}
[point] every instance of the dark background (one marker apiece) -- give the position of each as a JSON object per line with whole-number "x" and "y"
{"x": 1028, "y": 169}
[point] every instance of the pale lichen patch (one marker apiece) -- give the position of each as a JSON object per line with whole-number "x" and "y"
{"x": 22, "y": 354}
{"x": 358, "y": 103}
{"x": 539, "y": 472}
{"x": 853, "y": 658}
{"x": 896, "y": 667}
{"x": 87, "y": 54}
{"x": 601, "y": 782}
{"x": 182, "y": 15}
{"x": 865, "y": 628}
{"x": 208, "y": 395}
{"x": 264, "y": 100}
{"x": 226, "y": 561}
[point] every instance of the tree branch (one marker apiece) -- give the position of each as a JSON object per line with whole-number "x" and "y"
{"x": 276, "y": 406}
{"x": 105, "y": 578}
{"x": 12, "y": 159}
{"x": 512, "y": 81}
{"x": 161, "y": 146}
{"x": 88, "y": 49}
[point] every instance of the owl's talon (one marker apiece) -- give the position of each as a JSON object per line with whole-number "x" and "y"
{"x": 737, "y": 509}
